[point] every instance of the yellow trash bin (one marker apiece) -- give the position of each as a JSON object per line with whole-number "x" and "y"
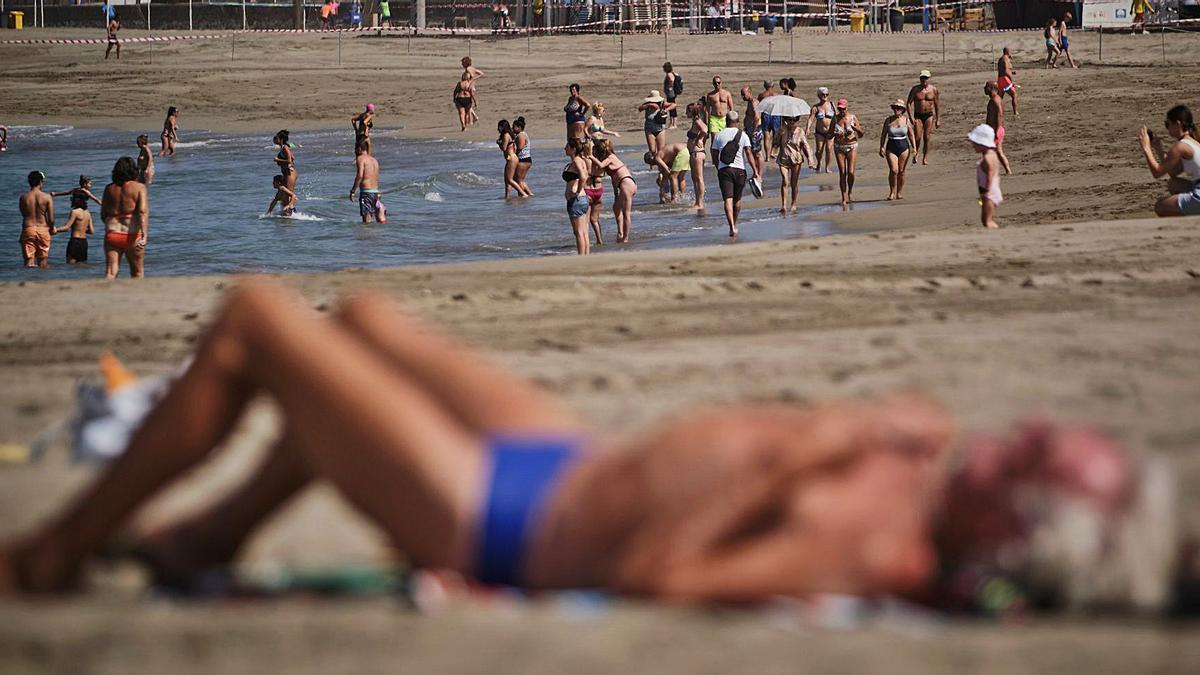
{"x": 16, "y": 20}
{"x": 857, "y": 21}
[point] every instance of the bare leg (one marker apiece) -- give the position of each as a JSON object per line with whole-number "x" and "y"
{"x": 927, "y": 134}
{"x": 892, "y": 171}
{"x": 1003, "y": 158}
{"x": 783, "y": 188}
{"x": 112, "y": 263}
{"x": 900, "y": 168}
{"x": 842, "y": 162}
{"x": 413, "y": 470}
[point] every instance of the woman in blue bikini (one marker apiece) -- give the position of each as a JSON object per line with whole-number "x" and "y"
{"x": 464, "y": 466}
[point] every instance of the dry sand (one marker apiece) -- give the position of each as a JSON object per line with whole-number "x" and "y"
{"x": 1070, "y": 311}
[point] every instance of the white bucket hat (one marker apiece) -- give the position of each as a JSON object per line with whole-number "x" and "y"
{"x": 983, "y": 135}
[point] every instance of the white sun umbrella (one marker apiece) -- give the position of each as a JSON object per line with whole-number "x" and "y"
{"x": 783, "y": 106}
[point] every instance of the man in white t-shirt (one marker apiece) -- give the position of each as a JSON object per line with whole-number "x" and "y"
{"x": 732, "y": 176}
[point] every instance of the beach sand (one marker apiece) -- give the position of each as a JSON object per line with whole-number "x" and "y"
{"x": 1082, "y": 309}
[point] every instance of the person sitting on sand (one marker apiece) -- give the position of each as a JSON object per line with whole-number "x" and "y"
{"x": 145, "y": 160}
{"x": 366, "y": 183}
{"x": 125, "y": 212}
{"x": 1181, "y": 163}
{"x": 987, "y": 174}
{"x": 79, "y": 224}
{"x": 37, "y": 222}
{"x": 284, "y": 197}
{"x": 464, "y": 466}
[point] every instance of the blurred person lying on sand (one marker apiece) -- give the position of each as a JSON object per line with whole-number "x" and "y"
{"x": 467, "y": 467}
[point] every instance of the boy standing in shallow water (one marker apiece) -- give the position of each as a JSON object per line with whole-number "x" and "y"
{"x": 79, "y": 224}
{"x": 987, "y": 174}
{"x": 283, "y": 197}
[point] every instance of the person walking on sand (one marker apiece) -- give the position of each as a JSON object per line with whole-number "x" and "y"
{"x": 596, "y": 129}
{"x": 145, "y": 160}
{"x": 1051, "y": 36}
{"x": 790, "y": 160}
{"x": 1138, "y": 9}
{"x": 1064, "y": 45}
{"x": 656, "y": 109}
{"x": 464, "y": 100}
{"x": 1181, "y": 162}
{"x": 366, "y": 183}
{"x": 1004, "y": 78}
{"x": 576, "y": 110}
{"x": 697, "y": 141}
{"x": 475, "y": 75}
{"x": 114, "y": 26}
{"x": 574, "y": 174}
{"x": 820, "y": 125}
{"x": 925, "y": 106}
{"x": 125, "y": 212}
{"x": 524, "y": 155}
{"x": 895, "y": 142}
{"x": 285, "y": 159}
{"x": 623, "y": 185}
{"x": 362, "y": 123}
{"x": 508, "y": 148}
{"x": 79, "y": 224}
{"x": 718, "y": 103}
{"x": 37, "y": 222}
{"x": 846, "y": 132}
{"x": 170, "y": 132}
{"x": 987, "y": 174}
{"x": 995, "y": 119}
{"x": 732, "y": 164}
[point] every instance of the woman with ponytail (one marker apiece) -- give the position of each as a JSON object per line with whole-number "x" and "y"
{"x": 1181, "y": 162}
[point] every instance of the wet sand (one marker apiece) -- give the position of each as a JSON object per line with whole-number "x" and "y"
{"x": 1075, "y": 310}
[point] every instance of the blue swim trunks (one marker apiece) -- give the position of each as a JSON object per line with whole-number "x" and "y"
{"x": 772, "y": 123}
{"x": 523, "y": 475}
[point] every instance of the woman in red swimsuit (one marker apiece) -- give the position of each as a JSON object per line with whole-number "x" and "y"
{"x": 125, "y": 210}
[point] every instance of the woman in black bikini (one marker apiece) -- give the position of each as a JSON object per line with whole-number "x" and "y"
{"x": 574, "y": 174}
{"x": 285, "y": 160}
{"x": 464, "y": 98}
{"x": 524, "y": 156}
{"x": 362, "y": 124}
{"x": 697, "y": 136}
{"x": 170, "y": 132}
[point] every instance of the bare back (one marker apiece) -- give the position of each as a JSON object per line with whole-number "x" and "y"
{"x": 995, "y": 112}
{"x": 36, "y": 209}
{"x": 368, "y": 172}
{"x": 124, "y": 208}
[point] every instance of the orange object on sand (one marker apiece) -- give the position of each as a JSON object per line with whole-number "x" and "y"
{"x": 116, "y": 375}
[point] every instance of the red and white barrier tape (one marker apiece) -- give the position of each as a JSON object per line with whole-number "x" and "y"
{"x": 103, "y": 41}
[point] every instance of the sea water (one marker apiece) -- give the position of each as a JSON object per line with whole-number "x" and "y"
{"x": 444, "y": 203}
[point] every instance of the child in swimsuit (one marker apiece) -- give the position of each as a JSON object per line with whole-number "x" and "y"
{"x": 283, "y": 196}
{"x": 80, "y": 225}
{"x": 987, "y": 174}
